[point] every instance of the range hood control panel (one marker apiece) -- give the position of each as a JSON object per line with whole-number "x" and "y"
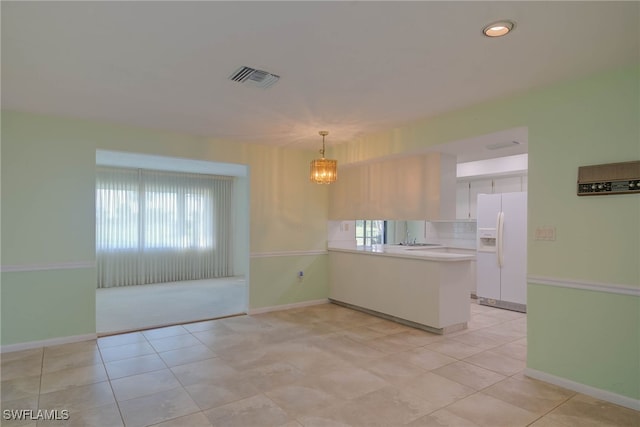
{"x": 612, "y": 178}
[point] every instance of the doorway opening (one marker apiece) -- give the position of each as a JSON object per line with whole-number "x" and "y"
{"x": 172, "y": 241}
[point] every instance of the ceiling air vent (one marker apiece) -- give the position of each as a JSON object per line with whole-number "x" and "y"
{"x": 259, "y": 78}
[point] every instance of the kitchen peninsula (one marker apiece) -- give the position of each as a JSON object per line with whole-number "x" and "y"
{"x": 425, "y": 287}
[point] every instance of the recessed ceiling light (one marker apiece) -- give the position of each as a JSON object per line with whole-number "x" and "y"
{"x": 498, "y": 29}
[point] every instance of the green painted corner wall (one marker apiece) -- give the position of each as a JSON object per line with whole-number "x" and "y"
{"x": 288, "y": 212}
{"x": 40, "y": 305}
{"x": 279, "y": 283}
{"x": 585, "y": 336}
{"x": 48, "y": 184}
{"x": 48, "y": 214}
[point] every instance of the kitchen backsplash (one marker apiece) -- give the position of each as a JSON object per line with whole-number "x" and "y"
{"x": 341, "y": 234}
{"x": 461, "y": 234}
{"x": 456, "y": 233}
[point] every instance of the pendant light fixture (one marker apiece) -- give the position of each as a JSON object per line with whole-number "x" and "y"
{"x": 323, "y": 171}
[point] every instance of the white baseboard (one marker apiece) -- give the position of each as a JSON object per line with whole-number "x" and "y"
{"x": 46, "y": 343}
{"x": 598, "y": 393}
{"x": 287, "y": 306}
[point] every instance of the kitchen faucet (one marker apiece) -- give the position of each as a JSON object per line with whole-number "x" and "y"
{"x": 407, "y": 240}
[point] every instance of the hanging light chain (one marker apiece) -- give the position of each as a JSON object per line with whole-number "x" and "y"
{"x": 323, "y": 133}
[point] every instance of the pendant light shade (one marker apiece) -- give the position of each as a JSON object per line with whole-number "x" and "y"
{"x": 323, "y": 171}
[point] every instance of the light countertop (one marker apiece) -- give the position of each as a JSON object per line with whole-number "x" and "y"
{"x": 427, "y": 253}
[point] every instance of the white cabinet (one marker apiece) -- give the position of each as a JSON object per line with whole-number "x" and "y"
{"x": 467, "y": 195}
{"x": 462, "y": 200}
{"x": 433, "y": 295}
{"x": 483, "y": 186}
{"x": 406, "y": 188}
{"x": 467, "y": 192}
{"x": 507, "y": 184}
{"x": 347, "y": 200}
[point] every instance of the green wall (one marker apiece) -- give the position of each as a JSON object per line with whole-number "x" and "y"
{"x": 585, "y": 336}
{"x": 48, "y": 217}
{"x": 590, "y": 120}
{"x": 284, "y": 286}
{"x": 588, "y": 337}
{"x": 40, "y": 305}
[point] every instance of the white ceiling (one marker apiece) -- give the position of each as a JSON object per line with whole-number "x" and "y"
{"x": 350, "y": 67}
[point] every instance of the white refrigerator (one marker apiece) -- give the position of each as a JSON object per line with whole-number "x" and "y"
{"x": 502, "y": 250}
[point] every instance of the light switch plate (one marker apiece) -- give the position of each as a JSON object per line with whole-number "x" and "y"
{"x": 545, "y": 233}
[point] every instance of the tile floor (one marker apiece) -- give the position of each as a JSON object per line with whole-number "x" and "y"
{"x": 317, "y": 366}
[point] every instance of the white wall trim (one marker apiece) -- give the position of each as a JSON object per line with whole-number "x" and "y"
{"x": 47, "y": 343}
{"x": 49, "y": 266}
{"x": 176, "y": 164}
{"x": 598, "y": 393}
{"x": 287, "y": 306}
{"x": 287, "y": 253}
{"x": 508, "y": 165}
{"x": 588, "y": 286}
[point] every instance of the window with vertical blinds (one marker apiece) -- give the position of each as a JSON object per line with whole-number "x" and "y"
{"x": 159, "y": 226}
{"x": 370, "y": 232}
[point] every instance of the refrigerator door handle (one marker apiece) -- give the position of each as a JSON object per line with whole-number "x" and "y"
{"x": 500, "y": 239}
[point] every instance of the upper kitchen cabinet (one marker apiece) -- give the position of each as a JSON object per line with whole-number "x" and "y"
{"x": 467, "y": 191}
{"x": 348, "y": 195}
{"x": 467, "y": 196}
{"x": 497, "y": 175}
{"x": 507, "y": 184}
{"x": 406, "y": 188}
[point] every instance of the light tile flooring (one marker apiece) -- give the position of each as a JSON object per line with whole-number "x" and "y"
{"x": 318, "y": 366}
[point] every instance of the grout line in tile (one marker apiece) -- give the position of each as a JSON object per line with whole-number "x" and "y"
{"x": 40, "y": 383}
{"x": 113, "y": 394}
{"x": 553, "y": 409}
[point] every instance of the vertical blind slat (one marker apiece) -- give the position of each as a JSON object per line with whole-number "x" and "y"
{"x": 157, "y": 226}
